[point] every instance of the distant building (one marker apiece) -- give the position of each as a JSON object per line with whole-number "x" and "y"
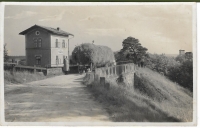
{"x": 181, "y": 52}
{"x": 46, "y": 46}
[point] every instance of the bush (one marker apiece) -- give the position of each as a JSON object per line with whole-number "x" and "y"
{"x": 183, "y": 74}
{"x": 180, "y": 58}
{"x": 161, "y": 63}
{"x": 96, "y": 54}
{"x": 177, "y": 69}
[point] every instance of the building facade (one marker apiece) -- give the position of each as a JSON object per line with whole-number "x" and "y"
{"x": 45, "y": 46}
{"x": 181, "y": 52}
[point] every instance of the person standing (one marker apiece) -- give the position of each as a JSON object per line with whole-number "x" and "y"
{"x": 66, "y": 65}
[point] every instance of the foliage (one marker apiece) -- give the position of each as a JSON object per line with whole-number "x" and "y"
{"x": 185, "y": 57}
{"x": 161, "y": 63}
{"x": 6, "y": 57}
{"x": 183, "y": 74}
{"x": 153, "y": 99}
{"x": 119, "y": 57}
{"x": 179, "y": 69}
{"x": 133, "y": 50}
{"x": 180, "y": 58}
{"x": 89, "y": 53}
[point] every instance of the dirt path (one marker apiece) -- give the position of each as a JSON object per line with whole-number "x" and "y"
{"x": 58, "y": 99}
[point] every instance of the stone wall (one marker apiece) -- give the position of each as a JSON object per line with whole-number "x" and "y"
{"x": 108, "y": 75}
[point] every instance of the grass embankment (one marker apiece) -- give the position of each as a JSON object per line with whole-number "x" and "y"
{"x": 153, "y": 99}
{"x": 22, "y": 77}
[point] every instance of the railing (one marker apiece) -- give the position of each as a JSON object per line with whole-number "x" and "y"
{"x": 124, "y": 62}
{"x": 9, "y": 63}
{"x": 29, "y": 67}
{"x": 114, "y": 70}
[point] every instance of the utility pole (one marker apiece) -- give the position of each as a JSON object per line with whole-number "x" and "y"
{"x": 68, "y": 52}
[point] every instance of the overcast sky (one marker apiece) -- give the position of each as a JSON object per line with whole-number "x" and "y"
{"x": 159, "y": 28}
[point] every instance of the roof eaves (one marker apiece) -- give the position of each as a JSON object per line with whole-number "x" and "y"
{"x": 49, "y": 29}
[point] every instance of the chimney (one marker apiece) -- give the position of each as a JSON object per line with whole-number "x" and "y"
{"x": 58, "y": 28}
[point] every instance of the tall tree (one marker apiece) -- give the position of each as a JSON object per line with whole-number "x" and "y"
{"x": 133, "y": 50}
{"x": 5, "y": 53}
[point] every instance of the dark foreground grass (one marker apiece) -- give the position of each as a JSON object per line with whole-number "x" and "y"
{"x": 153, "y": 99}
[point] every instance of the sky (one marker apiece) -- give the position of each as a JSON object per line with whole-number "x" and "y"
{"x": 159, "y": 28}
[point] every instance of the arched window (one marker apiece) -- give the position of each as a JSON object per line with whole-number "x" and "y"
{"x": 63, "y": 44}
{"x": 35, "y": 43}
{"x": 56, "y": 43}
{"x": 39, "y": 42}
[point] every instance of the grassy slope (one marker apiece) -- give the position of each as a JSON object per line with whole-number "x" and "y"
{"x": 153, "y": 99}
{"x": 21, "y": 77}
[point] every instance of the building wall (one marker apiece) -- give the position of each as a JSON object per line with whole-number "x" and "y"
{"x": 44, "y": 54}
{"x": 58, "y": 51}
{"x": 43, "y": 51}
{"x": 181, "y": 52}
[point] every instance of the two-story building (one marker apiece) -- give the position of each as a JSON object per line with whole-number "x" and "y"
{"x": 46, "y": 46}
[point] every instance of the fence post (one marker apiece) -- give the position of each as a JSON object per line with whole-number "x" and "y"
{"x": 90, "y": 66}
{"x": 34, "y": 69}
{"x": 102, "y": 81}
{"x": 107, "y": 86}
{"x": 111, "y": 71}
{"x": 124, "y": 68}
{"x": 13, "y": 70}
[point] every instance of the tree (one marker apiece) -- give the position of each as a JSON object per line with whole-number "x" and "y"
{"x": 180, "y": 58}
{"x": 5, "y": 53}
{"x": 133, "y": 50}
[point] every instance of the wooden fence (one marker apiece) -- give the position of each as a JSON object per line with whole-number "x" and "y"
{"x": 33, "y": 68}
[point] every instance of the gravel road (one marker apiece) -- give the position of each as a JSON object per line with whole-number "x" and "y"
{"x": 57, "y": 99}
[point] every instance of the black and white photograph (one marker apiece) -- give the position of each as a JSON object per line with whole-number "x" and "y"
{"x": 98, "y": 64}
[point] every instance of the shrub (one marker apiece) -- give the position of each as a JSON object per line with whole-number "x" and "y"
{"x": 183, "y": 74}
{"x": 180, "y": 58}
{"x": 161, "y": 63}
{"x": 177, "y": 69}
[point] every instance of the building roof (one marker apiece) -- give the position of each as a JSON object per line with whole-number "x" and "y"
{"x": 49, "y": 29}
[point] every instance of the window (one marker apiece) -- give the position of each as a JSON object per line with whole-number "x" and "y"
{"x": 35, "y": 42}
{"x": 56, "y": 43}
{"x": 63, "y": 44}
{"x": 38, "y": 60}
{"x": 37, "y": 33}
{"x": 39, "y": 42}
{"x": 57, "y": 60}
